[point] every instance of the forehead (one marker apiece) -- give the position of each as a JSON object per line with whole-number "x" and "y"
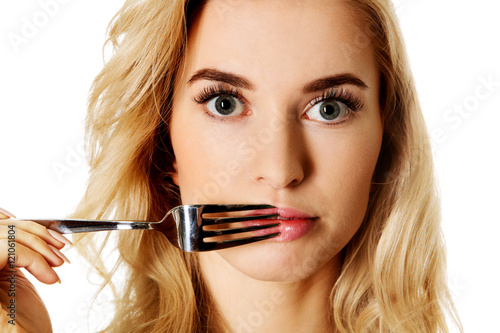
{"x": 267, "y": 39}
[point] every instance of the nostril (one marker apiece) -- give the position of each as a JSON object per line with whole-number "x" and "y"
{"x": 277, "y": 183}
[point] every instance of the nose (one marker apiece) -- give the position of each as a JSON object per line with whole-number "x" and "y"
{"x": 281, "y": 161}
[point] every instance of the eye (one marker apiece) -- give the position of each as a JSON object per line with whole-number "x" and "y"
{"x": 328, "y": 111}
{"x": 225, "y": 105}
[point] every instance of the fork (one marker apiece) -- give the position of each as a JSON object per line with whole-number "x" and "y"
{"x": 184, "y": 226}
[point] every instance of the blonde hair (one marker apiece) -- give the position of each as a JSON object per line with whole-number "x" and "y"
{"x": 393, "y": 276}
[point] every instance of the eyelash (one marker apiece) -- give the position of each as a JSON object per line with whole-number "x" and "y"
{"x": 353, "y": 103}
{"x": 213, "y": 91}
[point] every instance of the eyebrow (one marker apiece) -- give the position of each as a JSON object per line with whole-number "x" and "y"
{"x": 216, "y": 75}
{"x": 333, "y": 81}
{"x": 240, "y": 82}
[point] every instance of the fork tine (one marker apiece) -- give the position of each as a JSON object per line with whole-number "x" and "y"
{"x": 236, "y": 242}
{"x": 213, "y": 233}
{"x": 219, "y": 220}
{"x": 232, "y": 208}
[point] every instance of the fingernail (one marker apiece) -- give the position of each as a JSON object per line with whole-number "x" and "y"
{"x": 59, "y": 237}
{"x": 6, "y": 213}
{"x": 59, "y": 254}
{"x": 58, "y": 278}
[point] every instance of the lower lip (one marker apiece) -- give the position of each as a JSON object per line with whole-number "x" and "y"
{"x": 289, "y": 229}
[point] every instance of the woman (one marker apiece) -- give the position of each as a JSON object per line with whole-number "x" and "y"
{"x": 308, "y": 106}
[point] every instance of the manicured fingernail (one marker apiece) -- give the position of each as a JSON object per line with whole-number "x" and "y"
{"x": 6, "y": 213}
{"x": 59, "y": 254}
{"x": 59, "y": 237}
{"x": 58, "y": 278}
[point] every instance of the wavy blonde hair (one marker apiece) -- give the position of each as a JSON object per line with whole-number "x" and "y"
{"x": 393, "y": 276}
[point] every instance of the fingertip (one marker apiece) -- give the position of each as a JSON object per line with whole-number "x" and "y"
{"x": 48, "y": 276}
{"x": 59, "y": 254}
{"x": 53, "y": 279}
{"x": 58, "y": 236}
{"x": 5, "y": 214}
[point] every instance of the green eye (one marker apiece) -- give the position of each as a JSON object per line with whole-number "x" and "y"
{"x": 328, "y": 111}
{"x": 225, "y": 105}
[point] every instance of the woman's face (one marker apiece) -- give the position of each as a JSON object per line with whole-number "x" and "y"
{"x": 277, "y": 103}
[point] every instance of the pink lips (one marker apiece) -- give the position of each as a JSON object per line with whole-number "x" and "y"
{"x": 294, "y": 224}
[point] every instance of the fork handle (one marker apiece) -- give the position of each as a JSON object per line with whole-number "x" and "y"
{"x": 74, "y": 226}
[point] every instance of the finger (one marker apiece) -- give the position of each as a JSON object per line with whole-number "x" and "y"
{"x": 59, "y": 237}
{"x": 59, "y": 254}
{"x": 5, "y": 214}
{"x": 36, "y": 265}
{"x": 36, "y": 229}
{"x": 32, "y": 261}
{"x": 32, "y": 241}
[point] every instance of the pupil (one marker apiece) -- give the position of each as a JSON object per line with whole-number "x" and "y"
{"x": 330, "y": 110}
{"x": 225, "y": 105}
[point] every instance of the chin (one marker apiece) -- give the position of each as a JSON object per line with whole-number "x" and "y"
{"x": 278, "y": 261}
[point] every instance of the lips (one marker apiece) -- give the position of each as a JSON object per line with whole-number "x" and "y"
{"x": 294, "y": 223}
{"x": 285, "y": 213}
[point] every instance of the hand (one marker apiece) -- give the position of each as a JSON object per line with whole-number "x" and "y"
{"x": 29, "y": 245}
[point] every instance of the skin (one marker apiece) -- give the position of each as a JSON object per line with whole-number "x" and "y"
{"x": 37, "y": 251}
{"x": 276, "y": 153}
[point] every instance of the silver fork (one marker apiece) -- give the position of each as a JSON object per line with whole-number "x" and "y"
{"x": 184, "y": 226}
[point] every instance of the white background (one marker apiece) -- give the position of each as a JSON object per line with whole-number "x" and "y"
{"x": 454, "y": 47}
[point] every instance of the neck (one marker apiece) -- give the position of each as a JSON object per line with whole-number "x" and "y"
{"x": 248, "y": 305}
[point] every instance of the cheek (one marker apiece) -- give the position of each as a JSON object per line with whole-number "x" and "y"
{"x": 344, "y": 176}
{"x": 205, "y": 161}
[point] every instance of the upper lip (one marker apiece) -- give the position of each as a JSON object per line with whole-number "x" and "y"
{"x": 286, "y": 213}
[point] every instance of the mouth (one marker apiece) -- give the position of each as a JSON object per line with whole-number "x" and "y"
{"x": 294, "y": 224}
